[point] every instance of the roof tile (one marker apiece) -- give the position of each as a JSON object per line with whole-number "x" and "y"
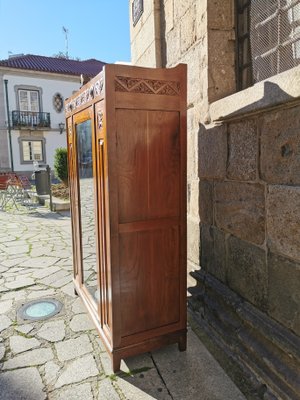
{"x": 57, "y": 65}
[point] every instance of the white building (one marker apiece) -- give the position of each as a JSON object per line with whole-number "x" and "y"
{"x": 36, "y": 87}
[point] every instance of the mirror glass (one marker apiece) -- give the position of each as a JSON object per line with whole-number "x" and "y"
{"x": 87, "y": 206}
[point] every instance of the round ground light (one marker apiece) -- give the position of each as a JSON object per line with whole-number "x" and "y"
{"x": 40, "y": 309}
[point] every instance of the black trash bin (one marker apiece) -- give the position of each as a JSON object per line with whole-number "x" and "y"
{"x": 42, "y": 180}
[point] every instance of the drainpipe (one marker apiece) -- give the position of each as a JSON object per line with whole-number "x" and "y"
{"x": 9, "y": 126}
{"x": 157, "y": 32}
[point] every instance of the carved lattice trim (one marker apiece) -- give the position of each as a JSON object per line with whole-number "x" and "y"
{"x": 146, "y": 86}
{"x": 93, "y": 91}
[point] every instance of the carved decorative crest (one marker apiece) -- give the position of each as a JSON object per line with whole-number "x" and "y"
{"x": 146, "y": 86}
{"x": 100, "y": 119}
{"x": 93, "y": 91}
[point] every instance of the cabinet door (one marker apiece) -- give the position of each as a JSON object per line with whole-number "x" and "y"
{"x": 86, "y": 210}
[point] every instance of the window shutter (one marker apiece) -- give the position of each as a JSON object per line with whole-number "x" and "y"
{"x": 26, "y": 151}
{"x": 37, "y": 150}
{"x": 34, "y": 101}
{"x": 23, "y": 99}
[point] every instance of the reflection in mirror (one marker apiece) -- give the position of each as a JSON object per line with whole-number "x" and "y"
{"x": 87, "y": 206}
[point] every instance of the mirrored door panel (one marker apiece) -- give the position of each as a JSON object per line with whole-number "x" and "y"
{"x": 87, "y": 207}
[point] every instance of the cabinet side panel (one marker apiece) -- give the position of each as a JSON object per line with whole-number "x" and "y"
{"x": 133, "y": 166}
{"x": 149, "y": 268}
{"x": 164, "y": 164}
{"x": 148, "y": 164}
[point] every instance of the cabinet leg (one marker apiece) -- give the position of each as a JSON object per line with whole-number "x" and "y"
{"x": 182, "y": 343}
{"x": 116, "y": 363}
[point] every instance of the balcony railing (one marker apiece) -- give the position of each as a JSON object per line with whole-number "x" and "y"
{"x": 29, "y": 119}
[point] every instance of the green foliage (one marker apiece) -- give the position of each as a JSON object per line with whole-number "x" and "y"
{"x": 63, "y": 55}
{"x": 112, "y": 377}
{"x": 61, "y": 164}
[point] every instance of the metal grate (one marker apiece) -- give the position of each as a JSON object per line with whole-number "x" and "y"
{"x": 268, "y": 37}
{"x": 244, "y": 62}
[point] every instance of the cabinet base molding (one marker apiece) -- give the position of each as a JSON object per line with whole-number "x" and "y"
{"x": 151, "y": 344}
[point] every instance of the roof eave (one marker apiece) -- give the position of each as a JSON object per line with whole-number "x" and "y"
{"x": 17, "y": 71}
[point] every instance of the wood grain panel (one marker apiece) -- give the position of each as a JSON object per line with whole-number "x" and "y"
{"x": 151, "y": 102}
{"x": 132, "y": 153}
{"x": 102, "y": 235}
{"x": 148, "y": 164}
{"x": 164, "y": 164}
{"x": 149, "y": 272}
{"x": 148, "y": 225}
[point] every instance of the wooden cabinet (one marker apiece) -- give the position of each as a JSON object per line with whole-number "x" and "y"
{"x": 126, "y": 132}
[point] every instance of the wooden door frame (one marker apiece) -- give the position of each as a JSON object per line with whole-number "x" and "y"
{"x": 80, "y": 117}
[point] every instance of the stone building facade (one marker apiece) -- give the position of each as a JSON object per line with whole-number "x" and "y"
{"x": 243, "y": 186}
{"x": 32, "y": 93}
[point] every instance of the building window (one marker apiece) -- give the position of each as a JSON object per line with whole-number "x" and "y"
{"x": 268, "y": 39}
{"x": 29, "y": 100}
{"x": 137, "y": 10}
{"x": 32, "y": 150}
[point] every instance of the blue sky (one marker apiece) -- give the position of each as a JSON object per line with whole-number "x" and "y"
{"x": 97, "y": 28}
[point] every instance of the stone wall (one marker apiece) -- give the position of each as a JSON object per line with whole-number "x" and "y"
{"x": 184, "y": 40}
{"x": 145, "y": 35}
{"x": 248, "y": 287}
{"x": 243, "y": 195}
{"x": 220, "y": 29}
{"x": 250, "y": 218}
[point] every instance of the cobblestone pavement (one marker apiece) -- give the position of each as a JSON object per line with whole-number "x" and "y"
{"x": 62, "y": 357}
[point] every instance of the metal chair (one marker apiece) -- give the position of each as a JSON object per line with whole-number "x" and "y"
{"x": 9, "y": 195}
{"x": 28, "y": 191}
{"x": 5, "y": 195}
{"x": 16, "y": 190}
{"x": 3, "y": 188}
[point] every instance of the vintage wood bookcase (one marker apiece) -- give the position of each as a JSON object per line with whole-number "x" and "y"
{"x": 126, "y": 133}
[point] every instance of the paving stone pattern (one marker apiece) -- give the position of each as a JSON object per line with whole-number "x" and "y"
{"x": 62, "y": 357}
